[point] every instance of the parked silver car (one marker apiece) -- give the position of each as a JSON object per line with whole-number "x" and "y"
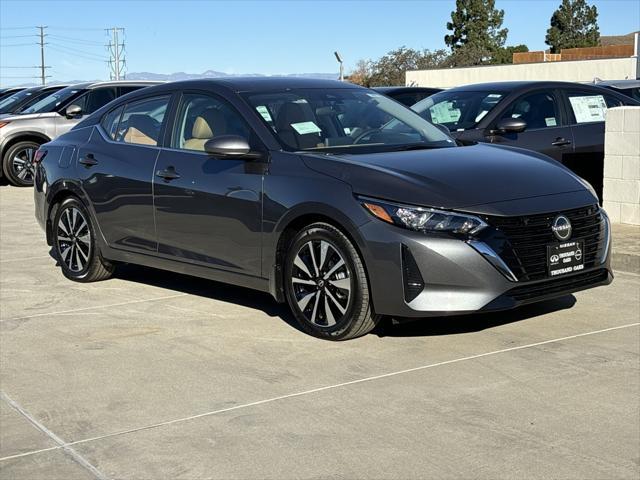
{"x": 21, "y": 135}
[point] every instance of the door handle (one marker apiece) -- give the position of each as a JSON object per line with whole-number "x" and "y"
{"x": 88, "y": 160}
{"x": 561, "y": 142}
{"x": 168, "y": 174}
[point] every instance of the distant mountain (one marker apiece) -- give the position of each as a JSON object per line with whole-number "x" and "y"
{"x": 214, "y": 74}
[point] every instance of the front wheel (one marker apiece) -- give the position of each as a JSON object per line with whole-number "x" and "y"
{"x": 326, "y": 284}
{"x": 75, "y": 245}
{"x": 17, "y": 163}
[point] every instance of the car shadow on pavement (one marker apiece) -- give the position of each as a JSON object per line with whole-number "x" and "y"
{"x": 456, "y": 324}
{"x": 421, "y": 327}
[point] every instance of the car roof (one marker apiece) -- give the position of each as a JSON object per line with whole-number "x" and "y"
{"x": 260, "y": 84}
{"x": 388, "y": 90}
{"x": 617, "y": 83}
{"x": 120, "y": 83}
{"x": 518, "y": 85}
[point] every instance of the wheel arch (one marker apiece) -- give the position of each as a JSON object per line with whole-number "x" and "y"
{"x": 291, "y": 224}
{"x": 58, "y": 192}
{"x": 23, "y": 136}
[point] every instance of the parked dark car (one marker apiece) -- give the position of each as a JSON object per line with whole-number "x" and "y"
{"x": 23, "y": 99}
{"x": 407, "y": 95}
{"x": 329, "y": 196}
{"x": 630, "y": 88}
{"x": 5, "y": 92}
{"x": 562, "y": 120}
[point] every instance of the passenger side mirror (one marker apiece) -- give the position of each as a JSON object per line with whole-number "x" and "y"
{"x": 510, "y": 125}
{"x": 73, "y": 111}
{"x": 229, "y": 146}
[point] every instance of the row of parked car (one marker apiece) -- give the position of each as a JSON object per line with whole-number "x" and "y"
{"x": 562, "y": 120}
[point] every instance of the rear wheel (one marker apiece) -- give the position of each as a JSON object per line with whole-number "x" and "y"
{"x": 75, "y": 246}
{"x": 17, "y": 163}
{"x": 326, "y": 284}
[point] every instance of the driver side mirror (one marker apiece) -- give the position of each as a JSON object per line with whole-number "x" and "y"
{"x": 230, "y": 146}
{"x": 510, "y": 125}
{"x": 73, "y": 111}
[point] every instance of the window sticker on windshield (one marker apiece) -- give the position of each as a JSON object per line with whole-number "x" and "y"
{"x": 550, "y": 122}
{"x": 347, "y": 130}
{"x": 262, "y": 110}
{"x": 591, "y": 108}
{"x": 304, "y": 128}
{"x": 444, "y": 113}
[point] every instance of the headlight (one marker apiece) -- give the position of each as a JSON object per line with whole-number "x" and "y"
{"x": 423, "y": 219}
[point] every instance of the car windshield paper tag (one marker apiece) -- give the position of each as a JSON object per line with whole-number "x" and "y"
{"x": 590, "y": 108}
{"x": 304, "y": 128}
{"x": 262, "y": 110}
{"x": 550, "y": 121}
{"x": 444, "y": 113}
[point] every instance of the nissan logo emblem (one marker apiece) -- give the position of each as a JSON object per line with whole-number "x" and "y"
{"x": 561, "y": 227}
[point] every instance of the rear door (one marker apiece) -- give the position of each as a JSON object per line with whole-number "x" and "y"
{"x": 208, "y": 209}
{"x": 116, "y": 168}
{"x": 587, "y": 111}
{"x": 547, "y": 130}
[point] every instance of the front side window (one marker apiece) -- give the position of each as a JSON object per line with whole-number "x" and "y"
{"x": 97, "y": 98}
{"x": 354, "y": 120}
{"x": 539, "y": 110}
{"x": 458, "y": 110}
{"x": 587, "y": 107}
{"x": 203, "y": 117}
{"x": 141, "y": 121}
{"x": 7, "y": 104}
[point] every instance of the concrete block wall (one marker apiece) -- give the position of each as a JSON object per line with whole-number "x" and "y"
{"x": 621, "y": 197}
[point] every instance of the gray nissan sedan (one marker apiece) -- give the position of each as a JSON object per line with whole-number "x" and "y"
{"x": 331, "y": 197}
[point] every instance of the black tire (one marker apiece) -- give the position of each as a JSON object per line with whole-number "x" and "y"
{"x": 74, "y": 244}
{"x": 17, "y": 163}
{"x": 340, "y": 308}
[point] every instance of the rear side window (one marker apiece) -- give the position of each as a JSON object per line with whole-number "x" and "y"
{"x": 589, "y": 107}
{"x": 110, "y": 122}
{"x": 141, "y": 121}
{"x": 539, "y": 110}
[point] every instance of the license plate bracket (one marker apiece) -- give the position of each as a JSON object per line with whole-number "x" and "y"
{"x": 564, "y": 258}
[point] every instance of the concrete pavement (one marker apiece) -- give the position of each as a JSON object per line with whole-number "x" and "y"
{"x": 152, "y": 375}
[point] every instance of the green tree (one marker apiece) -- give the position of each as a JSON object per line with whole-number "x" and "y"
{"x": 476, "y": 32}
{"x": 390, "y": 69}
{"x": 505, "y": 54}
{"x": 574, "y": 24}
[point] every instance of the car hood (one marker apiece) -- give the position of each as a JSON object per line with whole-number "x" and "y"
{"x": 30, "y": 116}
{"x": 469, "y": 178}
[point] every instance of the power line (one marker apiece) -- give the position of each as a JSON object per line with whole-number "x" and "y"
{"x": 2, "y": 45}
{"x": 62, "y": 38}
{"x": 16, "y": 36}
{"x": 57, "y": 48}
{"x": 77, "y": 50}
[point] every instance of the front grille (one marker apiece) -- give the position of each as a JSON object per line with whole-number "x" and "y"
{"x": 558, "y": 286}
{"x": 522, "y": 242}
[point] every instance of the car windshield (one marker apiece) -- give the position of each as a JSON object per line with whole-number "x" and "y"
{"x": 353, "y": 120}
{"x": 458, "y": 110}
{"x": 53, "y": 101}
{"x": 7, "y": 104}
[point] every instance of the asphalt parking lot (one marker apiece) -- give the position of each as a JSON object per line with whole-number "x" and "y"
{"x": 152, "y": 375}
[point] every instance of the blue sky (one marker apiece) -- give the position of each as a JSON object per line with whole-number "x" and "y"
{"x": 268, "y": 37}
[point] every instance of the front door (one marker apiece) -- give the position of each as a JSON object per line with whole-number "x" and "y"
{"x": 546, "y": 132}
{"x": 208, "y": 209}
{"x": 116, "y": 169}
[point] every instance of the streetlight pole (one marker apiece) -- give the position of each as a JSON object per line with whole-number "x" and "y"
{"x": 339, "y": 58}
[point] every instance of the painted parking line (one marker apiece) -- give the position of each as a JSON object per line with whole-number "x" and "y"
{"x": 84, "y": 309}
{"x": 322, "y": 389}
{"x": 65, "y": 446}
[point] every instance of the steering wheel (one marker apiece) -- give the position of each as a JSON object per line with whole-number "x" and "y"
{"x": 356, "y": 140}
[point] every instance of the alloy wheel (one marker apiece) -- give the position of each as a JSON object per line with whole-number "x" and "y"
{"x": 321, "y": 283}
{"x": 22, "y": 164}
{"x": 74, "y": 239}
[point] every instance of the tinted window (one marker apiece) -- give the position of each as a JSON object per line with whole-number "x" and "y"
{"x": 539, "y": 110}
{"x": 202, "y": 118}
{"x": 457, "y": 110}
{"x": 110, "y": 122}
{"x": 53, "y": 101}
{"x": 125, "y": 90}
{"x": 142, "y": 120}
{"x": 95, "y": 99}
{"x": 587, "y": 107}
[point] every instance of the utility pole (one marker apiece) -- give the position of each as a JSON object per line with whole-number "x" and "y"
{"x": 116, "y": 51}
{"x": 42, "y": 44}
{"x": 339, "y": 58}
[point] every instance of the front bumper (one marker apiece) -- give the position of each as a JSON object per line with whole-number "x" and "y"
{"x": 458, "y": 277}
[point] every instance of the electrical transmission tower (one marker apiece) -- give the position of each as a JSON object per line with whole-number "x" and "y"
{"x": 43, "y": 67}
{"x": 117, "y": 61}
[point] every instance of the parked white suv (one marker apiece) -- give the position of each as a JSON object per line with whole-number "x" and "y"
{"x": 21, "y": 135}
